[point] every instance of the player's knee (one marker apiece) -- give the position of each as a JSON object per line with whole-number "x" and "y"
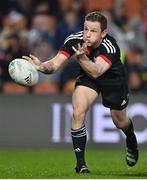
{"x": 78, "y": 114}
{"x": 119, "y": 120}
{"x": 120, "y": 124}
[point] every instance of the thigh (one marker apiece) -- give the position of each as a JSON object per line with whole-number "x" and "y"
{"x": 83, "y": 97}
{"x": 116, "y": 96}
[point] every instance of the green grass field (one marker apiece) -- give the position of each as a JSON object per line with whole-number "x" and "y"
{"x": 59, "y": 164}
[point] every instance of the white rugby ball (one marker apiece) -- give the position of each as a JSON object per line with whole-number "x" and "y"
{"x": 23, "y": 72}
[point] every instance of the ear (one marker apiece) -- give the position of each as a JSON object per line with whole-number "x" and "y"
{"x": 103, "y": 34}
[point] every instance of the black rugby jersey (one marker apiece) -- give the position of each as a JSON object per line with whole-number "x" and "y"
{"x": 108, "y": 50}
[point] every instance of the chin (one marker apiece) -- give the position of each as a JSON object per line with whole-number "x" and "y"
{"x": 89, "y": 44}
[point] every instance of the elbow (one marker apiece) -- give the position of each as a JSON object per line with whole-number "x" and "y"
{"x": 98, "y": 73}
{"x": 95, "y": 76}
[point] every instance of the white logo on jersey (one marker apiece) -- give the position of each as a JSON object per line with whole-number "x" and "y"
{"x": 74, "y": 36}
{"x": 123, "y": 102}
{"x": 109, "y": 46}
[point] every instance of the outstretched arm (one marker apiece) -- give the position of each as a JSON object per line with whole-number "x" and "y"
{"x": 49, "y": 66}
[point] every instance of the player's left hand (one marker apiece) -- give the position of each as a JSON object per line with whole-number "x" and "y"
{"x": 80, "y": 51}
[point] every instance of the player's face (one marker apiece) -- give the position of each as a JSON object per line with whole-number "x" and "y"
{"x": 93, "y": 34}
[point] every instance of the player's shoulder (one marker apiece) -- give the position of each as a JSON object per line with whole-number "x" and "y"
{"x": 78, "y": 36}
{"x": 109, "y": 44}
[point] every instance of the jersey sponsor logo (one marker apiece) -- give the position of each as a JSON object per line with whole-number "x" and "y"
{"x": 109, "y": 46}
{"x": 78, "y": 35}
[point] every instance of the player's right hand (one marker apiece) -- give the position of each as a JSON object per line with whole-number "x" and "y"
{"x": 33, "y": 60}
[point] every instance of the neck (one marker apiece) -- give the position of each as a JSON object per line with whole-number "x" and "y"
{"x": 97, "y": 44}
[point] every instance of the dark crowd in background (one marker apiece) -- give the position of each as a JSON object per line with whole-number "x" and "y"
{"x": 39, "y": 27}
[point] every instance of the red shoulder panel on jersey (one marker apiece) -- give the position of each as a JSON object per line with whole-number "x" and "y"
{"x": 106, "y": 59}
{"x": 64, "y": 53}
{"x": 88, "y": 50}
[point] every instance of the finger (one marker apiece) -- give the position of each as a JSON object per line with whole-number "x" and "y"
{"x": 86, "y": 42}
{"x": 33, "y": 57}
{"x": 75, "y": 50}
{"x": 79, "y": 46}
{"x": 85, "y": 45}
{"x": 26, "y": 58}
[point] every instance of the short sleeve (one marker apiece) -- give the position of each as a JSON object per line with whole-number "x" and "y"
{"x": 109, "y": 52}
{"x": 66, "y": 48}
{"x": 70, "y": 41}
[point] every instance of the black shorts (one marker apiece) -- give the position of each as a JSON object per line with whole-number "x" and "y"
{"x": 114, "y": 96}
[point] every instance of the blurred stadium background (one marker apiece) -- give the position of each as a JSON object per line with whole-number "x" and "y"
{"x": 41, "y": 116}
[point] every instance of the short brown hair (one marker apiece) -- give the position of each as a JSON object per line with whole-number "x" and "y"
{"x": 97, "y": 16}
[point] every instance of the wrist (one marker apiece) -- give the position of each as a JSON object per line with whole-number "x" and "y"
{"x": 47, "y": 67}
{"x": 41, "y": 68}
{"x": 82, "y": 57}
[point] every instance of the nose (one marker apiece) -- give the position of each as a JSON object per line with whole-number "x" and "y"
{"x": 88, "y": 34}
